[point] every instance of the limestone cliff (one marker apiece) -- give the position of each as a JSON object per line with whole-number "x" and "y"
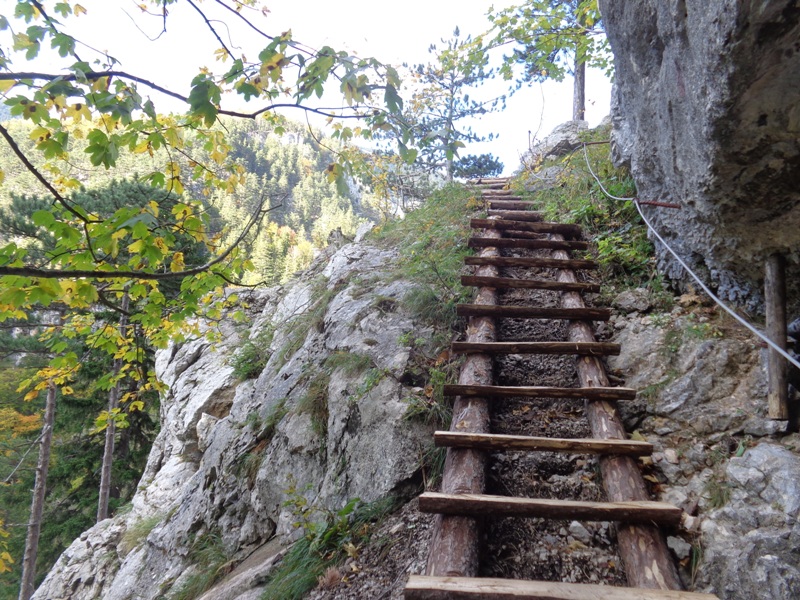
{"x": 706, "y": 110}
{"x": 229, "y": 450}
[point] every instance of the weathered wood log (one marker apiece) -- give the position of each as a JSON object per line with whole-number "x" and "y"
{"x": 482, "y": 505}
{"x": 580, "y": 349}
{"x": 492, "y": 191}
{"x": 516, "y": 215}
{"x": 528, "y": 284}
{"x": 490, "y": 182}
{"x": 456, "y": 539}
{"x": 503, "y": 443}
{"x": 529, "y": 391}
{"x": 530, "y": 261}
{"x": 533, "y": 312}
{"x": 510, "y": 204}
{"x": 777, "y": 367}
{"x": 524, "y": 235}
{"x": 480, "y": 242}
{"x": 643, "y": 548}
{"x": 535, "y": 226}
{"x": 486, "y": 588}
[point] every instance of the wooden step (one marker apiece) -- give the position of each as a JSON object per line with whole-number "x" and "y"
{"x": 420, "y": 587}
{"x": 528, "y": 284}
{"x": 511, "y": 204}
{"x": 491, "y": 183}
{"x": 494, "y": 191}
{"x": 516, "y": 215}
{"x": 536, "y": 227}
{"x": 513, "y": 391}
{"x": 479, "y": 242}
{"x": 482, "y": 505}
{"x": 542, "y": 263}
{"x": 528, "y": 235}
{"x": 502, "y": 443}
{"x": 576, "y": 348}
{"x": 533, "y": 312}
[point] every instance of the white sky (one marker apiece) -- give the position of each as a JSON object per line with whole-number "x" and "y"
{"x": 391, "y": 32}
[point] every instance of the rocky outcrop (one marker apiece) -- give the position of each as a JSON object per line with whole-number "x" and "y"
{"x": 706, "y": 110}
{"x": 561, "y": 141}
{"x": 702, "y": 403}
{"x": 231, "y": 453}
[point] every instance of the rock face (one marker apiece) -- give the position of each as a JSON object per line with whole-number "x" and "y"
{"x": 230, "y": 453}
{"x": 706, "y": 110}
{"x": 702, "y": 403}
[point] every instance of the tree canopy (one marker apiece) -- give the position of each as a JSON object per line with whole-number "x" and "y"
{"x": 550, "y": 39}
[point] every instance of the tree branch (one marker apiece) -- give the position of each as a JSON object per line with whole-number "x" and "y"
{"x": 96, "y": 274}
{"x": 94, "y": 75}
{"x": 209, "y": 25}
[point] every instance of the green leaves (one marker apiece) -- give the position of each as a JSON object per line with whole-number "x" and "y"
{"x": 204, "y": 99}
{"x": 102, "y": 149}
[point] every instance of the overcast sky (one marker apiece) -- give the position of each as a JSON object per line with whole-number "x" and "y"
{"x": 398, "y": 32}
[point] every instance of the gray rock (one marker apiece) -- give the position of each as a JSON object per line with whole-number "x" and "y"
{"x": 706, "y": 115}
{"x": 579, "y": 532}
{"x": 633, "y": 300}
{"x": 750, "y": 544}
{"x": 680, "y": 547}
{"x": 562, "y": 140}
{"x": 215, "y": 470}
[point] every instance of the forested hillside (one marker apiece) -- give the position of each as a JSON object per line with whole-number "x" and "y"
{"x": 287, "y": 168}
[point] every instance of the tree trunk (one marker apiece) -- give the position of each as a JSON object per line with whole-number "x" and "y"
{"x": 579, "y": 92}
{"x": 26, "y": 587}
{"x": 111, "y": 429}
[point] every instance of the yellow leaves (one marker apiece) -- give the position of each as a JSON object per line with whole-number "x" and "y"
{"x": 7, "y": 85}
{"x": 78, "y": 10}
{"x": 39, "y": 134}
{"x": 78, "y": 293}
{"x": 333, "y": 171}
{"x": 31, "y": 395}
{"x": 2, "y": 176}
{"x": 143, "y": 146}
{"x": 177, "y": 263}
{"x": 5, "y": 560}
{"x": 173, "y": 137}
{"x": 273, "y": 66}
{"x": 221, "y": 55}
{"x": 100, "y": 84}
{"x": 174, "y": 183}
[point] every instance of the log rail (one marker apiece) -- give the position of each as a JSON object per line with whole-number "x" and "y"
{"x": 454, "y": 559}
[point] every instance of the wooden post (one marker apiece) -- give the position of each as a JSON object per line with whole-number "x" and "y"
{"x": 777, "y": 369}
{"x": 456, "y": 539}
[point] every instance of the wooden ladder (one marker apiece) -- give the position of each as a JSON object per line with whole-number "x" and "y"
{"x": 453, "y": 561}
